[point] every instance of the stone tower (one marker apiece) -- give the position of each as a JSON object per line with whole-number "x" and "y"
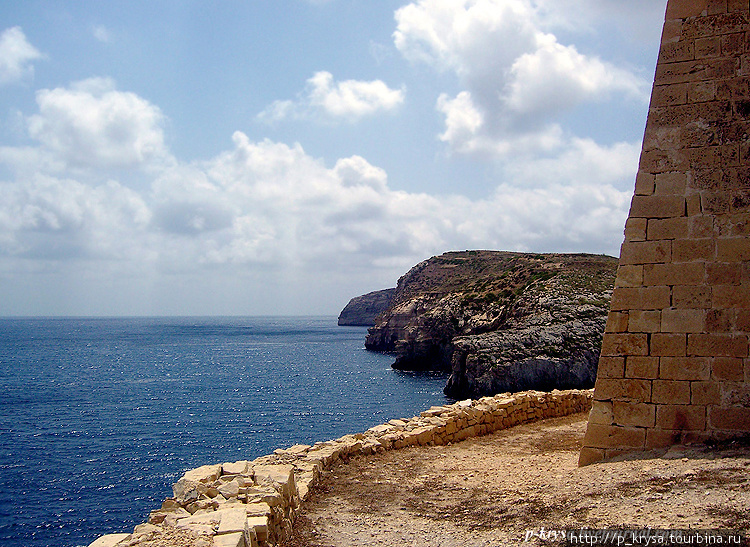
{"x": 674, "y": 364}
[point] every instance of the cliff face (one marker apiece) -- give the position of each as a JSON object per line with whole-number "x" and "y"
{"x": 361, "y": 311}
{"x": 500, "y": 321}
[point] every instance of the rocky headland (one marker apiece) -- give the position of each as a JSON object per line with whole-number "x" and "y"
{"x": 500, "y": 321}
{"x": 362, "y": 311}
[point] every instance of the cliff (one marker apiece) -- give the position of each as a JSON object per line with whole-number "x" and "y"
{"x": 500, "y": 321}
{"x": 361, "y": 311}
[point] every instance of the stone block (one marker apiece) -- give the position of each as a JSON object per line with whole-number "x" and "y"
{"x": 588, "y": 455}
{"x": 610, "y": 367}
{"x": 260, "y": 525}
{"x": 657, "y": 206}
{"x": 635, "y": 229}
{"x": 718, "y": 273}
{"x": 230, "y": 540}
{"x": 660, "y": 438}
{"x": 627, "y": 413}
{"x": 686, "y": 297}
{"x": 601, "y": 413}
{"x": 736, "y": 249}
{"x": 646, "y": 368}
{"x": 717, "y": 345}
{"x": 109, "y": 540}
{"x": 604, "y": 436}
{"x": 729, "y": 369}
{"x": 714, "y": 203}
{"x": 205, "y": 473}
{"x": 626, "y": 389}
{"x": 641, "y": 298}
{"x": 672, "y": 52}
{"x": 682, "y": 320}
{"x": 680, "y": 73}
{"x": 668, "y": 95}
{"x": 646, "y": 252}
{"x": 688, "y": 250}
{"x": 235, "y": 468}
{"x": 721, "y": 320}
{"x": 625, "y": 344}
{"x": 682, "y": 9}
{"x": 700, "y": 227}
{"x": 667, "y": 228}
{"x": 704, "y": 393}
{"x": 684, "y": 368}
{"x": 629, "y": 276}
{"x": 668, "y": 345}
{"x": 666, "y": 392}
{"x": 232, "y": 521}
{"x": 644, "y": 321}
{"x": 689, "y": 273}
{"x": 729, "y": 419}
{"x": 617, "y": 322}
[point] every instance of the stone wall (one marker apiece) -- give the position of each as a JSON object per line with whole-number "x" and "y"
{"x": 254, "y": 503}
{"x": 674, "y": 364}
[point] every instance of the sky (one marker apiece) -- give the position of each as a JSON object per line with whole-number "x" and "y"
{"x": 278, "y": 157}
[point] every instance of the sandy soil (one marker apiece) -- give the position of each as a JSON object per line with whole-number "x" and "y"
{"x": 496, "y": 490}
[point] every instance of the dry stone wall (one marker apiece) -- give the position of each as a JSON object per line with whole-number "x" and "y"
{"x": 674, "y": 363}
{"x": 254, "y": 503}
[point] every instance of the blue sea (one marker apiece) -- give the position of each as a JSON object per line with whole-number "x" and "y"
{"x": 100, "y": 416}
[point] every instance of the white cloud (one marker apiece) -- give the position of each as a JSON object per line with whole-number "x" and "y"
{"x": 519, "y": 79}
{"x": 16, "y": 55}
{"x": 102, "y": 34}
{"x": 326, "y": 99}
{"x": 92, "y": 125}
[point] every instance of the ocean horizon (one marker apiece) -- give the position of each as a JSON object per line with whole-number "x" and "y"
{"x": 101, "y": 415}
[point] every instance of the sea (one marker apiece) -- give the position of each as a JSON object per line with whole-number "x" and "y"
{"x": 100, "y": 416}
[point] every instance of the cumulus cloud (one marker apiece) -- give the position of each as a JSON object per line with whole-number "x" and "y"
{"x": 93, "y": 125}
{"x": 16, "y": 56}
{"x": 519, "y": 79}
{"x": 326, "y": 99}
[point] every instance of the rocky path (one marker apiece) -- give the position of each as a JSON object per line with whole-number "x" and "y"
{"x": 496, "y": 490}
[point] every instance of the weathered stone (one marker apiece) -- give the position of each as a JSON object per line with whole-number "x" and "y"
{"x": 110, "y": 540}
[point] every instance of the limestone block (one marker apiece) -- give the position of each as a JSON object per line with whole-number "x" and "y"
{"x": 258, "y": 509}
{"x": 628, "y": 413}
{"x": 590, "y": 455}
{"x": 625, "y": 344}
{"x": 670, "y": 392}
{"x": 604, "y": 436}
{"x": 205, "y": 473}
{"x": 681, "y": 417}
{"x": 260, "y": 526}
{"x": 187, "y": 490}
{"x": 670, "y": 345}
{"x": 729, "y": 419}
{"x": 230, "y": 540}
{"x": 231, "y": 489}
{"x": 110, "y": 540}
{"x": 235, "y": 468}
{"x": 281, "y": 477}
{"x": 642, "y": 367}
{"x": 717, "y": 345}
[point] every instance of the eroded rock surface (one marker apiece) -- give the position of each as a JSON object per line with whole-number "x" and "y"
{"x": 500, "y": 321}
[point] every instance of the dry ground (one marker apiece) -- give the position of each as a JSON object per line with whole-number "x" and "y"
{"x": 490, "y": 491}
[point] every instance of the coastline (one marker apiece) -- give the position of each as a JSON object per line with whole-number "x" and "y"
{"x": 254, "y": 503}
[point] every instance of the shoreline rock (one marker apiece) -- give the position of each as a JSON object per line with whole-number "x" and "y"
{"x": 362, "y": 311}
{"x": 500, "y": 321}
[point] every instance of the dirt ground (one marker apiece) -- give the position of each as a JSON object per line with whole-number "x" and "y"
{"x": 522, "y": 483}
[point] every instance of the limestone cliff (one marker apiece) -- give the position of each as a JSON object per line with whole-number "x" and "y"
{"x": 361, "y": 311}
{"x": 500, "y": 321}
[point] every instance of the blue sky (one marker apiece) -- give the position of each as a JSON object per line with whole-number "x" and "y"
{"x": 282, "y": 156}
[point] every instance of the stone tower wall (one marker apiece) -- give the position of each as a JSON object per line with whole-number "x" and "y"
{"x": 674, "y": 365}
